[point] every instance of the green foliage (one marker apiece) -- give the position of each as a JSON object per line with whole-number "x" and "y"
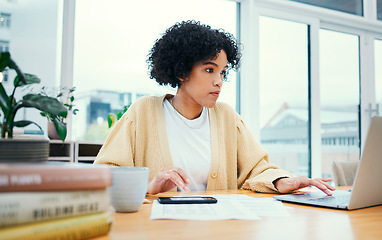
{"x": 112, "y": 118}
{"x": 66, "y": 95}
{"x": 9, "y": 105}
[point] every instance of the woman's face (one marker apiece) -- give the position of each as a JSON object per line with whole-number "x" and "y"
{"x": 205, "y": 81}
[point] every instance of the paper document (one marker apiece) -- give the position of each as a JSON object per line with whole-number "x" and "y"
{"x": 234, "y": 206}
{"x": 261, "y": 206}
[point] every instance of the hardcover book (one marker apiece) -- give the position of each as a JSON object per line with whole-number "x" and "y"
{"x": 25, "y": 207}
{"x": 53, "y": 176}
{"x": 81, "y": 227}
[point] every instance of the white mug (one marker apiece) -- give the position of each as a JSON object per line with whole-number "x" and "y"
{"x": 129, "y": 188}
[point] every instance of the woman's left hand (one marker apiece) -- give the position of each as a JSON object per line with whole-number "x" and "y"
{"x": 286, "y": 185}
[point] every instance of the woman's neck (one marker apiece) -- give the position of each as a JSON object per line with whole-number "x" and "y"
{"x": 188, "y": 109}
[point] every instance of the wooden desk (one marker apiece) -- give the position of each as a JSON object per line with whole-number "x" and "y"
{"x": 304, "y": 223}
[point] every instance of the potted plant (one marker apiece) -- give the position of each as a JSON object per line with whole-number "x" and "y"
{"x": 13, "y": 149}
{"x": 56, "y": 121}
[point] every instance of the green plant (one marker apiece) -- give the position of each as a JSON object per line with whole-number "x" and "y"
{"x": 112, "y": 118}
{"x": 66, "y": 96}
{"x": 9, "y": 105}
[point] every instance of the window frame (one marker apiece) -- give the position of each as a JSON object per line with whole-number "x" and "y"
{"x": 6, "y": 22}
{"x": 366, "y": 27}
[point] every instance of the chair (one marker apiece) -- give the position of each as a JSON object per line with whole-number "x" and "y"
{"x": 344, "y": 172}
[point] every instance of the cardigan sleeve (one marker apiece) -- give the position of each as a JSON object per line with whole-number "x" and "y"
{"x": 254, "y": 170}
{"x": 119, "y": 147}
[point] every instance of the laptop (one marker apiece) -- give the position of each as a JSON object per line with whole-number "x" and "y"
{"x": 366, "y": 191}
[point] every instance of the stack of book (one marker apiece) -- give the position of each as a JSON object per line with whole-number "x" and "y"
{"x": 20, "y": 133}
{"x": 54, "y": 201}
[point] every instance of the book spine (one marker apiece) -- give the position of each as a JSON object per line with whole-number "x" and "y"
{"x": 24, "y": 207}
{"x": 53, "y": 179}
{"x": 81, "y": 227}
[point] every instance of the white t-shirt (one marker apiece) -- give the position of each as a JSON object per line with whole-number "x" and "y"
{"x": 190, "y": 145}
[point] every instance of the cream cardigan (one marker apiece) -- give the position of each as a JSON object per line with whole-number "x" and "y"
{"x": 139, "y": 139}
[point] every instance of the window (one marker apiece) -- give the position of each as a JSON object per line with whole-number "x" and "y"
{"x": 4, "y": 46}
{"x": 4, "y": 75}
{"x": 33, "y": 41}
{"x": 379, "y": 9}
{"x": 5, "y": 20}
{"x": 284, "y": 93}
{"x": 116, "y": 74}
{"x": 378, "y": 74}
{"x": 347, "y": 6}
{"x": 339, "y": 94}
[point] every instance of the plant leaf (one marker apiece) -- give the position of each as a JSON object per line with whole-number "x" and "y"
{"x": 110, "y": 120}
{"x": 4, "y": 60}
{"x": 60, "y": 128}
{"x": 26, "y": 79}
{"x": 46, "y": 104}
{"x": 119, "y": 115}
{"x": 20, "y": 75}
{"x": 24, "y": 123}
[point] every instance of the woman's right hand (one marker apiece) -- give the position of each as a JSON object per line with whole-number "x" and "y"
{"x": 167, "y": 179}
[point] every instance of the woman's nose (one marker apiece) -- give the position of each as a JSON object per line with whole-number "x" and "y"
{"x": 219, "y": 81}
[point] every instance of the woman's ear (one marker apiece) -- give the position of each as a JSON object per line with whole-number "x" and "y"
{"x": 184, "y": 78}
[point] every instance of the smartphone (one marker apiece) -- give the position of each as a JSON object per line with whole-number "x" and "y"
{"x": 187, "y": 200}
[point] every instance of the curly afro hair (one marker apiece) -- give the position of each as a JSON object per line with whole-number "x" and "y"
{"x": 185, "y": 44}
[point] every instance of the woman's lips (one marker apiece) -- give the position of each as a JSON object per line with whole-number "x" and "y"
{"x": 216, "y": 93}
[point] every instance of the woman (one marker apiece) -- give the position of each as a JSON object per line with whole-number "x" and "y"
{"x": 189, "y": 140}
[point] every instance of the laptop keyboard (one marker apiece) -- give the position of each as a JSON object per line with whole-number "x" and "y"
{"x": 338, "y": 200}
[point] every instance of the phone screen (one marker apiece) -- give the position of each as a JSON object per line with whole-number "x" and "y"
{"x": 187, "y": 200}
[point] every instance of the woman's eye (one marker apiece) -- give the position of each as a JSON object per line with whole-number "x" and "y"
{"x": 210, "y": 70}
